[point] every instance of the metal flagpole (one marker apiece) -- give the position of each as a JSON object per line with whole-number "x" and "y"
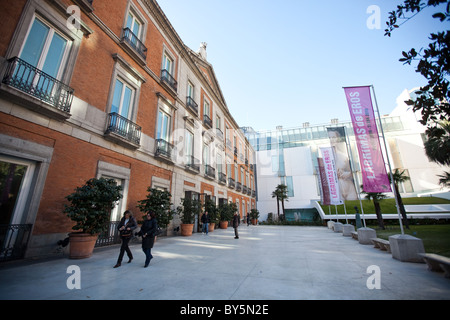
{"x": 358, "y": 191}
{"x": 389, "y": 163}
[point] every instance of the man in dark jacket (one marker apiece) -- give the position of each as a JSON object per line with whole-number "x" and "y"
{"x": 236, "y": 225}
{"x": 205, "y": 222}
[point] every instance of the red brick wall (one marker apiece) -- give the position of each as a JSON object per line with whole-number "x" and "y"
{"x": 73, "y": 163}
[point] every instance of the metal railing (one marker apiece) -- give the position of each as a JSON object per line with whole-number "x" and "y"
{"x": 124, "y": 128}
{"x": 14, "y": 240}
{"x": 192, "y": 105}
{"x": 134, "y": 42}
{"x": 163, "y": 148}
{"x": 207, "y": 121}
{"x": 231, "y": 183}
{"x": 210, "y": 171}
{"x": 169, "y": 79}
{"x": 110, "y": 236}
{"x": 193, "y": 163}
{"x": 222, "y": 177}
{"x": 29, "y": 79}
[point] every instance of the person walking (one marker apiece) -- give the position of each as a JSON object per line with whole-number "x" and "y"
{"x": 236, "y": 225}
{"x": 126, "y": 226}
{"x": 148, "y": 231}
{"x": 205, "y": 222}
{"x": 248, "y": 219}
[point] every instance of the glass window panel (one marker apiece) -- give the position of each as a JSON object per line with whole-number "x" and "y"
{"x": 116, "y": 97}
{"x": 126, "y": 102}
{"x": 32, "y": 49}
{"x": 55, "y": 55}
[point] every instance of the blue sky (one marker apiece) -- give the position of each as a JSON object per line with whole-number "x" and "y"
{"x": 285, "y": 62}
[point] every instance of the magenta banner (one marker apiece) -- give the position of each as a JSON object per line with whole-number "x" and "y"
{"x": 331, "y": 175}
{"x": 375, "y": 178}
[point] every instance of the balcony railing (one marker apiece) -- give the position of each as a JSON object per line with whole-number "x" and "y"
{"x": 231, "y": 183}
{"x": 14, "y": 240}
{"x": 130, "y": 38}
{"x": 192, "y": 105}
{"x": 238, "y": 186}
{"x": 207, "y": 121}
{"x": 222, "y": 178}
{"x": 192, "y": 163}
{"x": 29, "y": 79}
{"x": 219, "y": 133}
{"x": 244, "y": 189}
{"x": 169, "y": 79}
{"x": 124, "y": 128}
{"x": 163, "y": 148}
{"x": 210, "y": 171}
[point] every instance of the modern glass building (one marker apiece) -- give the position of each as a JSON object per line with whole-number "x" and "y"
{"x": 290, "y": 156}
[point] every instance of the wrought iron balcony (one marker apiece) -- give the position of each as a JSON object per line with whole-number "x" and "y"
{"x": 130, "y": 38}
{"x": 210, "y": 171}
{"x": 244, "y": 189}
{"x": 192, "y": 163}
{"x": 238, "y": 186}
{"x": 167, "y": 78}
{"x": 207, "y": 121}
{"x": 164, "y": 149}
{"x": 124, "y": 128}
{"x": 222, "y": 178}
{"x": 192, "y": 105}
{"x": 29, "y": 79}
{"x": 219, "y": 133}
{"x": 231, "y": 183}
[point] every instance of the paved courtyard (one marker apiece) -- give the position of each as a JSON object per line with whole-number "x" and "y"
{"x": 266, "y": 263}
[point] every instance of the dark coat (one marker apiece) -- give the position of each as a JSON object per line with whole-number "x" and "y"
{"x": 205, "y": 218}
{"x": 131, "y": 224}
{"x": 147, "y": 232}
{"x": 235, "y": 221}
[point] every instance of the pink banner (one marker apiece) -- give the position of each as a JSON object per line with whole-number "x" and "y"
{"x": 331, "y": 175}
{"x": 323, "y": 183}
{"x": 375, "y": 178}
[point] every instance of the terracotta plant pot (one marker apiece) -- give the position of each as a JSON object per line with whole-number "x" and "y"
{"x": 186, "y": 229}
{"x": 211, "y": 227}
{"x": 81, "y": 245}
{"x": 254, "y": 222}
{"x": 223, "y": 224}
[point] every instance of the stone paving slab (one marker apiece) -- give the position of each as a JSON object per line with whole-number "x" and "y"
{"x": 266, "y": 263}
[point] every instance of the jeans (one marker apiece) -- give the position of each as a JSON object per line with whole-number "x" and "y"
{"x": 205, "y": 228}
{"x": 148, "y": 255}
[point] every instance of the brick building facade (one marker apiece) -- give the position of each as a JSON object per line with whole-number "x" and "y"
{"x": 107, "y": 89}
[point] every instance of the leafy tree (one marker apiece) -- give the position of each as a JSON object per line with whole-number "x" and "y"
{"x": 433, "y": 99}
{"x": 158, "y": 202}
{"x": 90, "y": 205}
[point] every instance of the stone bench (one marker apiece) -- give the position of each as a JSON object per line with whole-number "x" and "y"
{"x": 436, "y": 262}
{"x": 381, "y": 244}
{"x": 355, "y": 235}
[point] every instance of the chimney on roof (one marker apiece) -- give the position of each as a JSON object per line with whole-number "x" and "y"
{"x": 202, "y": 50}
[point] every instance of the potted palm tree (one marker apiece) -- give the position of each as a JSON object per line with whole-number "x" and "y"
{"x": 90, "y": 208}
{"x": 188, "y": 211}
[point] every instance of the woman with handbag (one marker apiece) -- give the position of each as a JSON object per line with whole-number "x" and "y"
{"x": 148, "y": 232}
{"x": 126, "y": 226}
